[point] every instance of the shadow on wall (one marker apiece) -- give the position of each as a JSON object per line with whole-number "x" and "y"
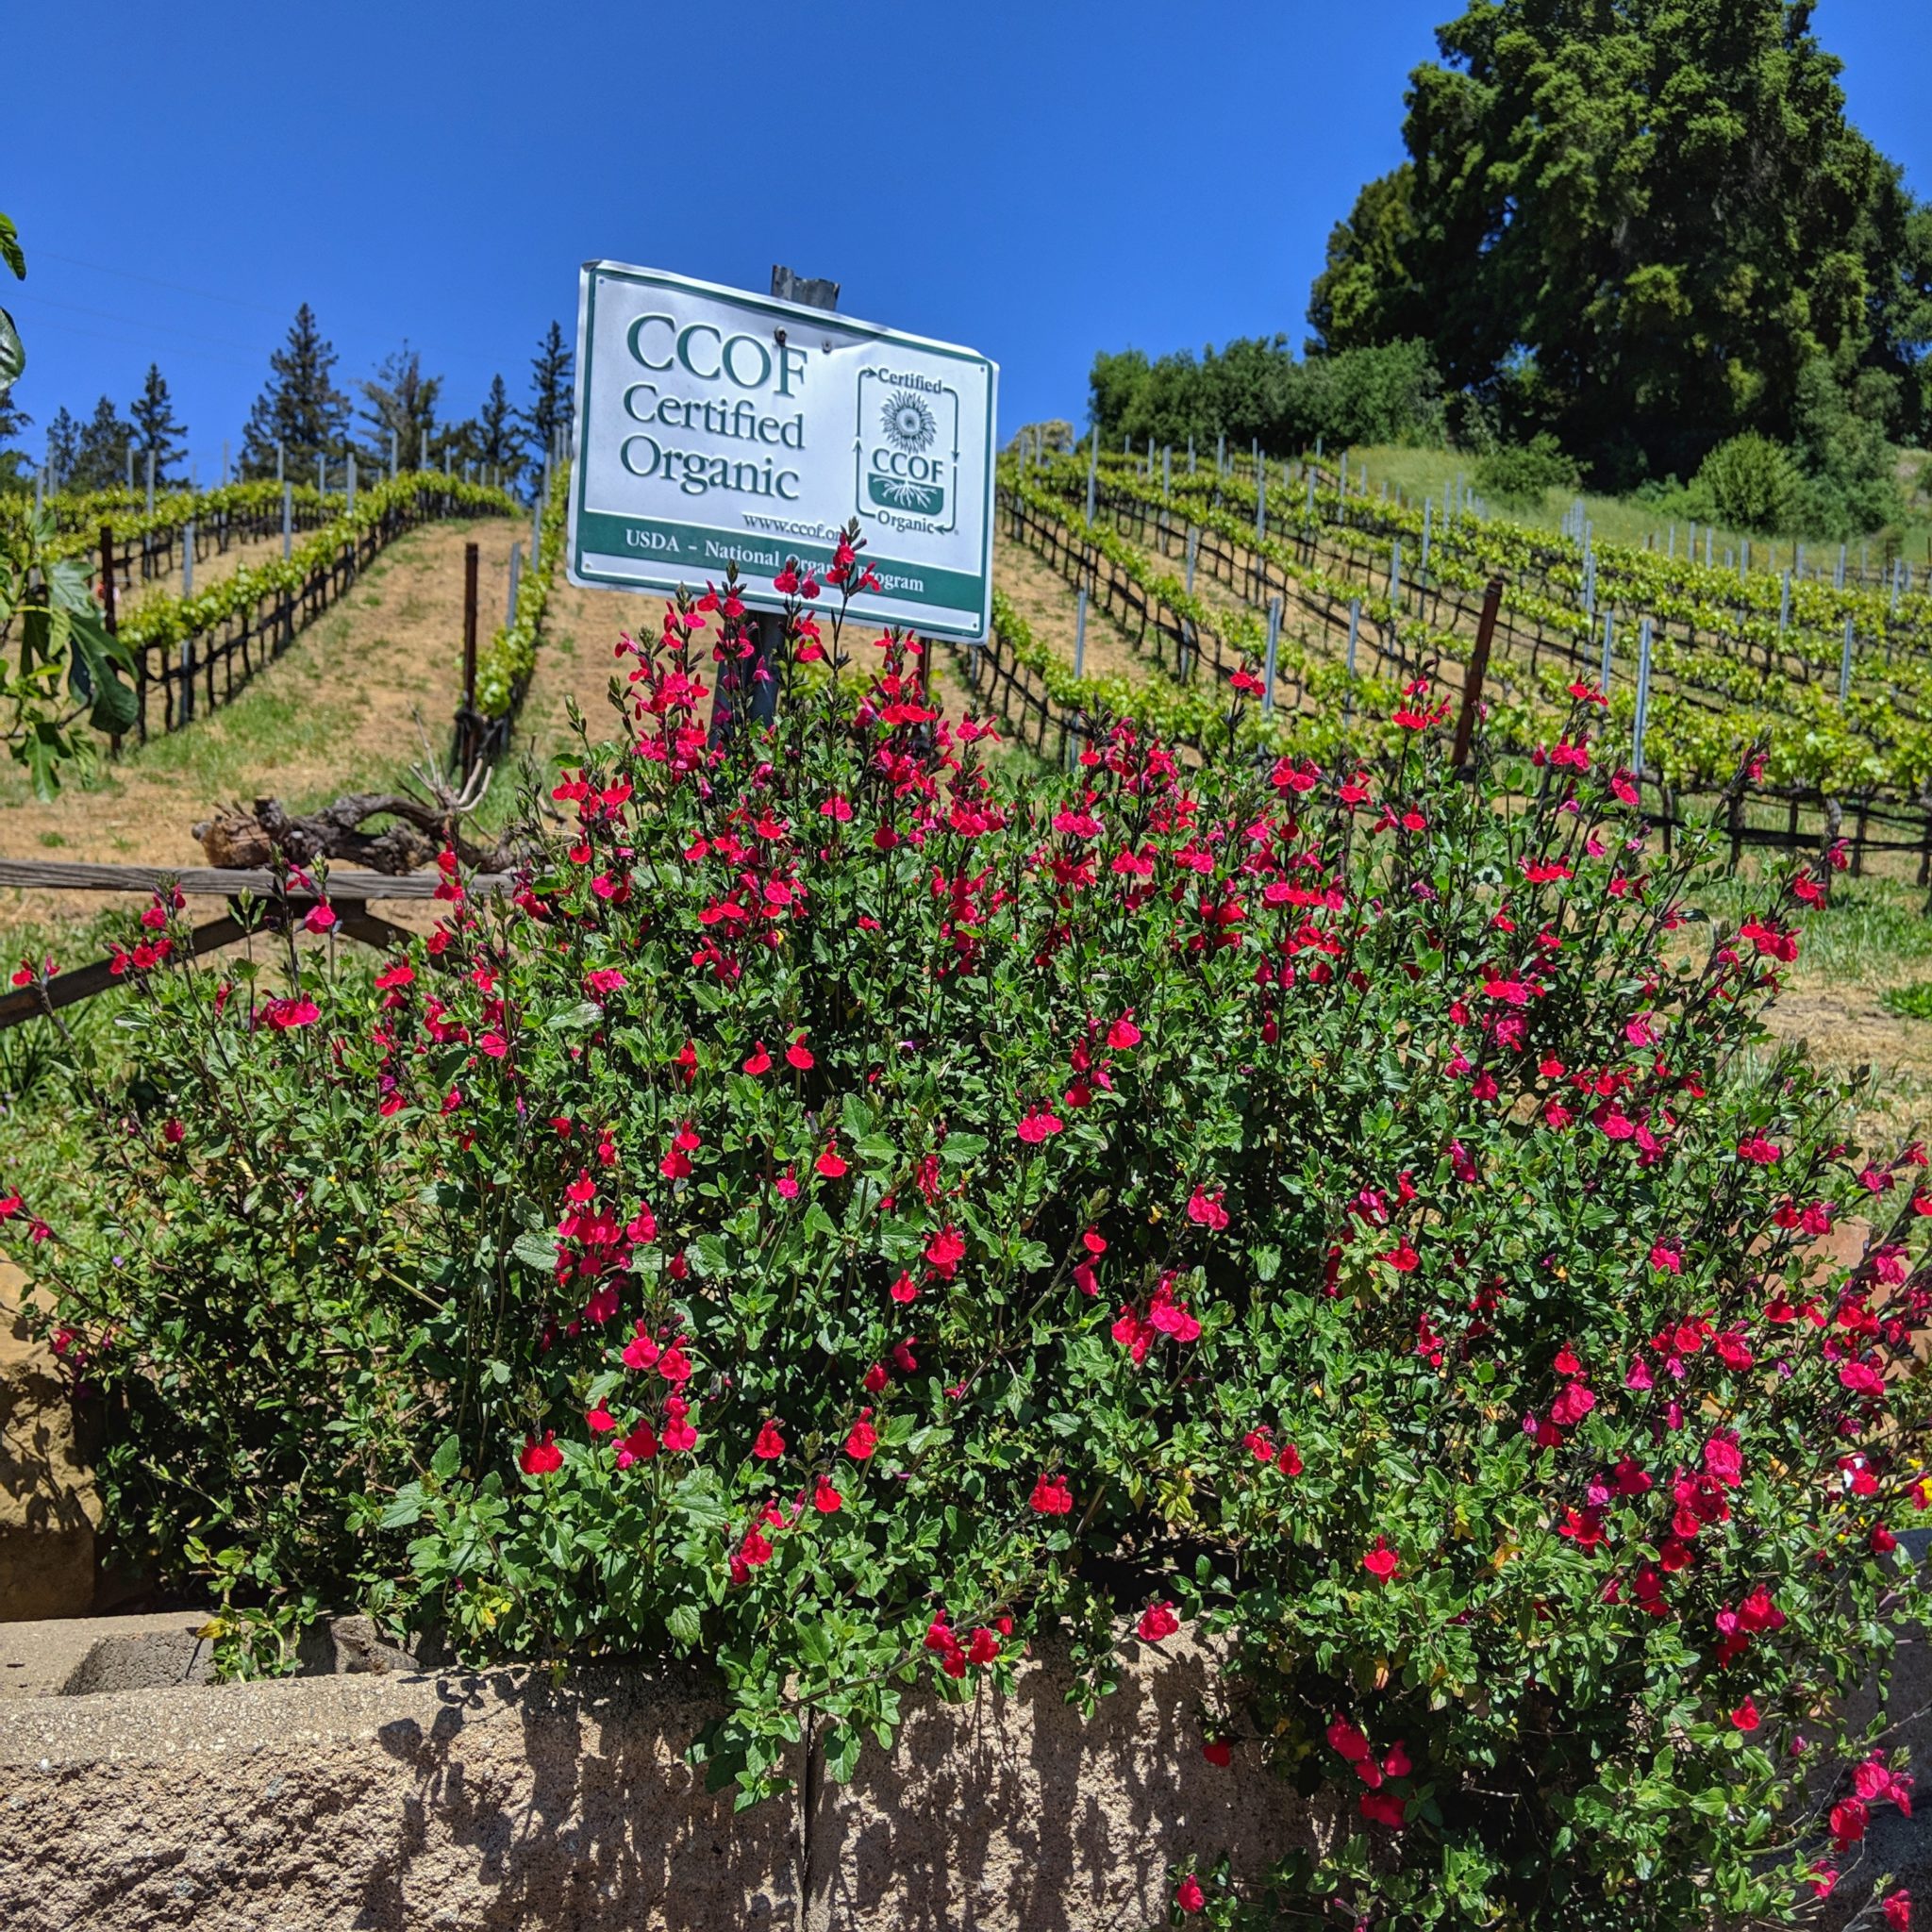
{"x": 593, "y": 1818}
{"x": 390, "y": 1801}
{"x": 1018, "y": 1812}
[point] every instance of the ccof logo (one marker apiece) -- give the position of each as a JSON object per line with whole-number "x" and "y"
{"x": 908, "y": 423}
{"x": 908, "y": 461}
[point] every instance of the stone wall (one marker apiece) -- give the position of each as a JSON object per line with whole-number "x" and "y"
{"x": 48, "y": 1508}
{"x": 393, "y": 1801}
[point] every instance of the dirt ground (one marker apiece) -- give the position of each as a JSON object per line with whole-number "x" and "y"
{"x": 209, "y": 571}
{"x": 1050, "y": 604}
{"x": 334, "y": 712}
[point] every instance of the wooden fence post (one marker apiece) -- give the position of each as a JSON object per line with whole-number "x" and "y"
{"x": 1479, "y": 666}
{"x": 466, "y": 734}
{"x": 107, "y": 607}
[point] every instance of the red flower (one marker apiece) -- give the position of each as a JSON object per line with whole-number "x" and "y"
{"x": 760, "y": 1062}
{"x": 1849, "y": 1818}
{"x": 1746, "y": 1716}
{"x": 826, "y": 1499}
{"x": 1124, "y": 1033}
{"x": 828, "y": 1163}
{"x": 863, "y": 1437}
{"x": 1051, "y": 1496}
{"x": 1205, "y": 1210}
{"x": 799, "y": 1055}
{"x": 1189, "y": 1896}
{"x": 320, "y": 917}
{"x": 1039, "y": 1124}
{"x": 1383, "y": 1807}
{"x": 1383, "y": 1560}
{"x": 944, "y": 1253}
{"x": 1158, "y": 1621}
{"x": 679, "y": 1433}
{"x": 1770, "y": 941}
{"x": 541, "y": 1459}
{"x": 1348, "y": 1742}
{"x": 600, "y": 1421}
{"x": 1897, "y": 1907}
{"x": 1218, "y": 1751}
{"x": 770, "y": 1444}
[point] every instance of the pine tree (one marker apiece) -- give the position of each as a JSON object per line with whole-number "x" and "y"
{"x": 496, "y": 434}
{"x": 299, "y": 407}
{"x": 550, "y": 396}
{"x": 100, "y": 457}
{"x": 156, "y": 430}
{"x": 16, "y": 466}
{"x": 401, "y": 401}
{"x": 63, "y": 443}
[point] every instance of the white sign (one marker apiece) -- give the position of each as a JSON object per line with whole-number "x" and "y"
{"x": 717, "y": 427}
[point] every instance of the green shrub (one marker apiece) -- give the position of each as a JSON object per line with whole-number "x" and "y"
{"x": 1751, "y": 483}
{"x": 1913, "y": 1002}
{"x": 845, "y": 1214}
{"x": 1520, "y": 473}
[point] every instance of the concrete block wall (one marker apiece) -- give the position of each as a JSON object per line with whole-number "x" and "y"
{"x": 392, "y": 1801}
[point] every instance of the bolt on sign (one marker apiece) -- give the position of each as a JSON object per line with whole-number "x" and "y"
{"x": 715, "y": 427}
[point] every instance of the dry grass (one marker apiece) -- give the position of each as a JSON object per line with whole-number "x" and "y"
{"x": 209, "y": 571}
{"x": 334, "y": 713}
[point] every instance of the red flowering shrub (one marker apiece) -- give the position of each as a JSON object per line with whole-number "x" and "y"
{"x": 849, "y": 1213}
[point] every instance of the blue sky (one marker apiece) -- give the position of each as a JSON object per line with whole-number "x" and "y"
{"x": 1034, "y": 180}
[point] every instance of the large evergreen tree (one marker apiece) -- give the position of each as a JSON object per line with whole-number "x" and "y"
{"x": 401, "y": 401}
{"x": 496, "y": 431}
{"x": 156, "y": 432}
{"x": 63, "y": 446}
{"x": 1638, "y": 222}
{"x": 491, "y": 439}
{"x": 16, "y": 466}
{"x": 100, "y": 456}
{"x": 300, "y": 407}
{"x": 550, "y": 395}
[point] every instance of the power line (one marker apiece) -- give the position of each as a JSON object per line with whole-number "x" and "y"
{"x": 194, "y": 334}
{"x": 146, "y": 348}
{"x": 37, "y": 254}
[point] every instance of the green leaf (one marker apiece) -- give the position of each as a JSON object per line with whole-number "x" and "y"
{"x": 405, "y": 1510}
{"x": 535, "y": 1250}
{"x": 12, "y": 353}
{"x": 447, "y": 1459}
{"x": 574, "y": 1019}
{"x": 92, "y": 673}
{"x": 9, "y": 247}
{"x": 684, "y": 1626}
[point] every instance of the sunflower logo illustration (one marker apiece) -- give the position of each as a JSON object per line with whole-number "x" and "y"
{"x": 908, "y": 423}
